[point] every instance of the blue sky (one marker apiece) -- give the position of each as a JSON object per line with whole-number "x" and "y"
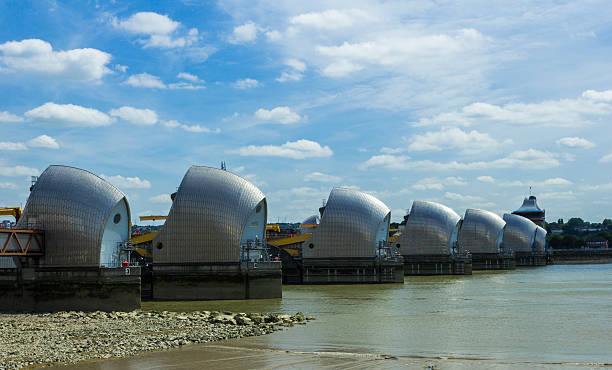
{"x": 463, "y": 102}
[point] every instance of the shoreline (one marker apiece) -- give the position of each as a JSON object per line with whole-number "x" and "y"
{"x": 43, "y": 339}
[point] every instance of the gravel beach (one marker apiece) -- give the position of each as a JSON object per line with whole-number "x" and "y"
{"x": 70, "y": 337}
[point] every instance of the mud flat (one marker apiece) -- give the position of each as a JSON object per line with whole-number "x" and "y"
{"x": 29, "y": 340}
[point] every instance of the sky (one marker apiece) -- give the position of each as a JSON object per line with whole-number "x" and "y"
{"x": 468, "y": 103}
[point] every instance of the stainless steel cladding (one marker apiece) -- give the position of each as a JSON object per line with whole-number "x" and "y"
{"x": 73, "y": 207}
{"x": 351, "y": 226}
{"x": 539, "y": 244}
{"x": 519, "y": 233}
{"x": 208, "y": 218}
{"x": 312, "y": 220}
{"x": 431, "y": 229}
{"x": 481, "y": 232}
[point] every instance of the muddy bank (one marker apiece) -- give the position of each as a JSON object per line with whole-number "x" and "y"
{"x": 71, "y": 337}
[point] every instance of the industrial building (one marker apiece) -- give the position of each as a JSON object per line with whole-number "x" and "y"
{"x": 481, "y": 235}
{"x": 212, "y": 245}
{"x": 349, "y": 245}
{"x": 68, "y": 245}
{"x": 428, "y": 242}
{"x": 532, "y": 211}
{"x": 520, "y": 237}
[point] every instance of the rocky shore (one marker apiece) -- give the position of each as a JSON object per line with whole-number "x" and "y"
{"x": 70, "y": 337}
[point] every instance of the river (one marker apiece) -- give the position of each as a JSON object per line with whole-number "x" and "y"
{"x": 555, "y": 315}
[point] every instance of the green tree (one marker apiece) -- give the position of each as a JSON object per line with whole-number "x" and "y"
{"x": 555, "y": 241}
{"x": 569, "y": 241}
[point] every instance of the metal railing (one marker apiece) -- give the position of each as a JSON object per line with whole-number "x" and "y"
{"x": 22, "y": 242}
{"x": 387, "y": 253}
{"x": 254, "y": 251}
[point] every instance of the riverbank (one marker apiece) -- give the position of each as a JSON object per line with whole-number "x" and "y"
{"x": 71, "y": 337}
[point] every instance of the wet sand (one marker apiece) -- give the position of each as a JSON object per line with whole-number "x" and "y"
{"x": 245, "y": 353}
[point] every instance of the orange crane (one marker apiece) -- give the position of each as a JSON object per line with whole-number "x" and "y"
{"x": 153, "y": 218}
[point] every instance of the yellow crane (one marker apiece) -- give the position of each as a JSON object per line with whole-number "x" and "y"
{"x": 153, "y": 218}
{"x": 11, "y": 211}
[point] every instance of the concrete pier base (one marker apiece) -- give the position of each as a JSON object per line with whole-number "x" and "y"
{"x": 69, "y": 289}
{"x": 492, "y": 261}
{"x": 530, "y": 259}
{"x": 253, "y": 280}
{"x": 351, "y": 271}
{"x": 437, "y": 265}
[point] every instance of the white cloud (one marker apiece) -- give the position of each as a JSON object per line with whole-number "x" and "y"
{"x": 8, "y": 185}
{"x": 558, "y": 113}
{"x": 246, "y": 83}
{"x": 190, "y": 128}
{"x": 434, "y": 183}
{"x": 321, "y": 177}
{"x": 7, "y": 145}
{"x": 295, "y": 74}
{"x": 300, "y": 149}
{"x": 531, "y": 159}
{"x": 341, "y": 68}
{"x": 188, "y": 77}
{"x": 18, "y": 171}
{"x": 38, "y": 57}
{"x": 147, "y": 23}
{"x": 43, "y": 141}
{"x": 282, "y": 115}
{"x": 296, "y": 64}
{"x": 185, "y": 86}
{"x": 454, "y": 138}
{"x": 121, "y": 68}
{"x": 605, "y": 95}
{"x": 558, "y": 195}
{"x": 244, "y": 34}
{"x": 71, "y": 114}
{"x": 331, "y": 19}
{"x": 134, "y": 115}
{"x": 161, "y": 198}
{"x": 145, "y": 80}
{"x": 127, "y": 182}
{"x": 487, "y": 179}
{"x": 9, "y": 117}
{"x": 555, "y": 181}
{"x": 576, "y": 142}
{"x": 160, "y": 29}
{"x": 461, "y": 197}
{"x": 287, "y": 76}
{"x": 606, "y": 158}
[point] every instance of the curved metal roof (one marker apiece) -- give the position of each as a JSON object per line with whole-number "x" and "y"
{"x": 312, "y": 220}
{"x": 207, "y": 219}
{"x": 539, "y": 244}
{"x": 519, "y": 233}
{"x": 530, "y": 205}
{"x": 349, "y": 226}
{"x": 72, "y": 206}
{"x": 429, "y": 230}
{"x": 480, "y": 232}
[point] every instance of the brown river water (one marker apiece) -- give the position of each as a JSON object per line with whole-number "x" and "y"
{"x": 546, "y": 317}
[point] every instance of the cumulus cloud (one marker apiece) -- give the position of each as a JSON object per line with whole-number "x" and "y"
{"x": 555, "y": 181}
{"x": 245, "y": 33}
{"x": 191, "y": 128}
{"x": 160, "y": 30}
{"x": 576, "y": 142}
{"x": 300, "y": 149}
{"x": 70, "y": 114}
{"x": 526, "y": 159}
{"x": 295, "y": 73}
{"x": 188, "y": 77}
{"x": 606, "y": 158}
{"x": 332, "y": 18}
{"x": 246, "y": 83}
{"x": 36, "y": 56}
{"x": 136, "y": 116}
{"x": 282, "y": 115}
{"x": 434, "y": 183}
{"x": 9, "y": 117}
{"x": 454, "y": 138}
{"x": 127, "y": 182}
{"x": 145, "y": 80}
{"x": 43, "y": 141}
{"x": 8, "y": 185}
{"x": 486, "y": 179}
{"x": 605, "y": 95}
{"x": 18, "y": 171}
{"x": 461, "y": 197}
{"x": 560, "y": 113}
{"x": 7, "y": 145}
{"x": 161, "y": 198}
{"x": 321, "y": 177}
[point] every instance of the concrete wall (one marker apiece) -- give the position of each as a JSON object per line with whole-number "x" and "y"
{"x": 492, "y": 261}
{"x": 69, "y": 289}
{"x": 437, "y": 265}
{"x": 351, "y": 271}
{"x": 217, "y": 281}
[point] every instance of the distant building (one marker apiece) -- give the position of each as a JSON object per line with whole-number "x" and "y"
{"x": 596, "y": 241}
{"x": 532, "y": 211}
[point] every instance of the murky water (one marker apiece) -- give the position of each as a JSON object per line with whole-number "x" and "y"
{"x": 551, "y": 314}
